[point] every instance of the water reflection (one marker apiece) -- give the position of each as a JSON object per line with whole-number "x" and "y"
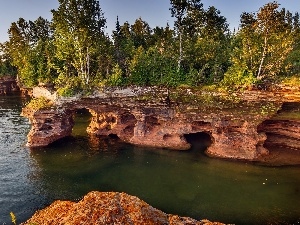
{"x": 185, "y": 183}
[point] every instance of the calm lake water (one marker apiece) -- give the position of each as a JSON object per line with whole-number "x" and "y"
{"x": 183, "y": 183}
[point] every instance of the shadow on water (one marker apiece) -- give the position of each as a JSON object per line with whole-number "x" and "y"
{"x": 282, "y": 142}
{"x": 176, "y": 182}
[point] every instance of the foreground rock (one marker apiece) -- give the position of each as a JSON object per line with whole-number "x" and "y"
{"x": 238, "y": 125}
{"x": 108, "y": 208}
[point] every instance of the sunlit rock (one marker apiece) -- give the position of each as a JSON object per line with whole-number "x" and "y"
{"x": 105, "y": 208}
{"x": 238, "y": 125}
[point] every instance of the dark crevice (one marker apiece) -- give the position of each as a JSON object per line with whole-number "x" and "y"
{"x": 113, "y": 136}
{"x": 200, "y": 141}
{"x": 282, "y": 128}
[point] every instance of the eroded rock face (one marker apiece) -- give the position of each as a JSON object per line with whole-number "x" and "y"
{"x": 237, "y": 139}
{"x": 145, "y": 118}
{"x": 48, "y": 125}
{"x": 283, "y": 129}
{"x": 7, "y": 85}
{"x": 105, "y": 208}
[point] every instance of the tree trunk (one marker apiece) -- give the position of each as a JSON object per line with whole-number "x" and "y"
{"x": 259, "y": 74}
{"x": 88, "y": 66}
{"x": 180, "y": 51}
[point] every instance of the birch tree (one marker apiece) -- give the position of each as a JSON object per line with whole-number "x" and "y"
{"x": 262, "y": 45}
{"x": 79, "y": 27}
{"x": 179, "y": 11}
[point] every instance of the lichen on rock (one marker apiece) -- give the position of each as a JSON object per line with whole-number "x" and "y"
{"x": 108, "y": 208}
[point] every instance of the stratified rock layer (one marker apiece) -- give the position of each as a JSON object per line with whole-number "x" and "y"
{"x": 283, "y": 129}
{"x": 105, "y": 208}
{"x": 238, "y": 125}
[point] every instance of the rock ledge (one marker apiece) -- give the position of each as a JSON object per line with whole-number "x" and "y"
{"x": 108, "y": 208}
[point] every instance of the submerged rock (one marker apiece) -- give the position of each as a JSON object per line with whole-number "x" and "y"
{"x": 107, "y": 208}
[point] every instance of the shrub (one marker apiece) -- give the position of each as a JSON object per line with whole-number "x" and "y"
{"x": 116, "y": 78}
{"x": 239, "y": 76}
{"x": 39, "y": 103}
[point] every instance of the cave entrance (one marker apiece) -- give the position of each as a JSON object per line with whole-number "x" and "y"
{"x": 82, "y": 118}
{"x": 199, "y": 141}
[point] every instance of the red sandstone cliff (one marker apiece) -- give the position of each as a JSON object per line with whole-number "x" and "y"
{"x": 238, "y": 127}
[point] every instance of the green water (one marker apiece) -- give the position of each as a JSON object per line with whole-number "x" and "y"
{"x": 183, "y": 183}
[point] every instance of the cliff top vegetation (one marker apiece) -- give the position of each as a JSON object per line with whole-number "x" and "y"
{"x": 73, "y": 52}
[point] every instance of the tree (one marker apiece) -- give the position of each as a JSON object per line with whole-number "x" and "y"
{"x": 79, "y": 29}
{"x": 262, "y": 44}
{"x": 208, "y": 46}
{"x": 124, "y": 46}
{"x": 6, "y": 67}
{"x": 153, "y": 67}
{"x": 140, "y": 33}
{"x": 188, "y": 14}
{"x": 179, "y": 11}
{"x": 162, "y": 37}
{"x": 28, "y": 48}
{"x": 203, "y": 41}
{"x": 117, "y": 41}
{"x": 292, "y": 63}
{"x": 268, "y": 23}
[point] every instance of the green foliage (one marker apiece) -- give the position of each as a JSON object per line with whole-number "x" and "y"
{"x": 293, "y": 81}
{"x": 78, "y": 31}
{"x": 262, "y": 45}
{"x": 202, "y": 40}
{"x": 74, "y": 53}
{"x": 69, "y": 86}
{"x": 66, "y": 92}
{"x": 39, "y": 103}
{"x": 6, "y": 67}
{"x": 238, "y": 76}
{"x": 152, "y": 67}
{"x": 116, "y": 78}
{"x": 28, "y": 49}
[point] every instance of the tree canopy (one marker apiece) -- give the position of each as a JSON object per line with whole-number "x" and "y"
{"x": 263, "y": 46}
{"x": 73, "y": 52}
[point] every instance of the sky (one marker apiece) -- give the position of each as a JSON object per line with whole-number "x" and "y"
{"x": 155, "y": 12}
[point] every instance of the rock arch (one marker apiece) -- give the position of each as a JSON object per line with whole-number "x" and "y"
{"x": 237, "y": 132}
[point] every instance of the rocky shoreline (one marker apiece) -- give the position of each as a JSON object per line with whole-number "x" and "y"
{"x": 240, "y": 125}
{"x": 257, "y": 126}
{"x": 108, "y": 208}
